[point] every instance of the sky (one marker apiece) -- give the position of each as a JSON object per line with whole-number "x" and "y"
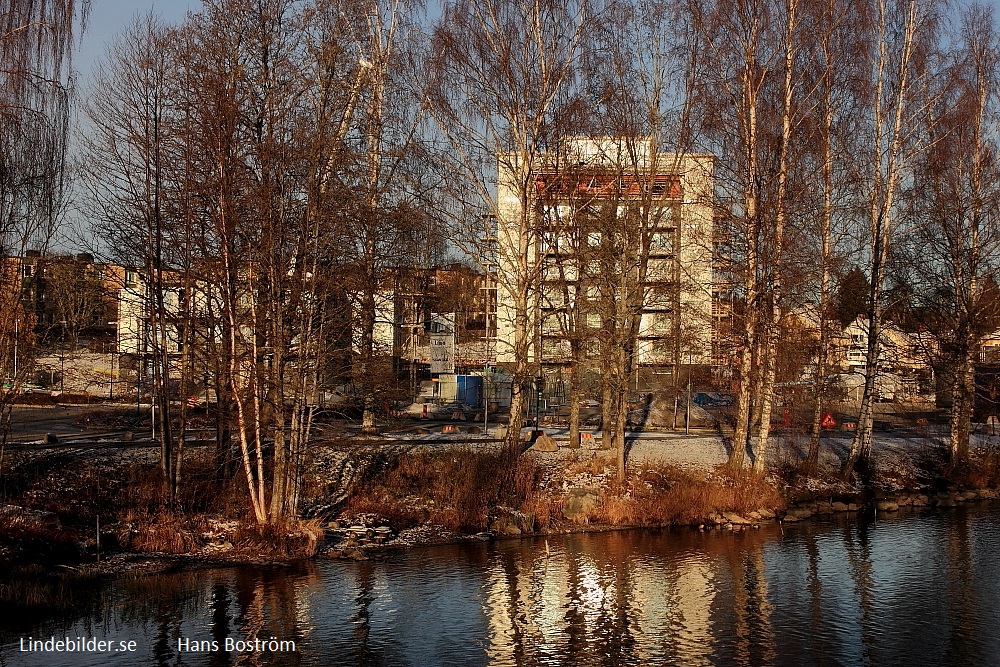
{"x": 108, "y": 18}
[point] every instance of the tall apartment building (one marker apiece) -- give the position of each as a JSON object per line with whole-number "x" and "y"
{"x": 659, "y": 203}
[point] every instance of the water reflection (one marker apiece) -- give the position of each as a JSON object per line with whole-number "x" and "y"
{"x": 920, "y": 589}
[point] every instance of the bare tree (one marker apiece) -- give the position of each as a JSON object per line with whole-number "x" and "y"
{"x": 830, "y": 62}
{"x": 75, "y": 297}
{"x": 739, "y": 67}
{"x": 385, "y": 220}
{"x": 36, "y": 40}
{"x": 502, "y": 80}
{"x": 221, "y": 162}
{"x": 655, "y": 254}
{"x": 129, "y": 183}
{"x": 35, "y": 49}
{"x": 952, "y": 257}
{"x": 897, "y": 71}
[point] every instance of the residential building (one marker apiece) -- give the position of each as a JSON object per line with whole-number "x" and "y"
{"x": 904, "y": 359}
{"x": 658, "y": 203}
{"x": 66, "y": 296}
{"x": 135, "y": 314}
{"x": 422, "y": 304}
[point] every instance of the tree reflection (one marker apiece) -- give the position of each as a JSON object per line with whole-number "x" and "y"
{"x": 220, "y": 626}
{"x": 852, "y": 594}
{"x": 753, "y": 635}
{"x": 962, "y": 644}
{"x": 817, "y": 647}
{"x": 857, "y": 544}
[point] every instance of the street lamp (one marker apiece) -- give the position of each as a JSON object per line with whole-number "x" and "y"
{"x": 114, "y": 350}
{"x": 62, "y": 357}
{"x": 539, "y": 389}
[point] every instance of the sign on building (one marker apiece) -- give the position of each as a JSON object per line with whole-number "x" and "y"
{"x": 442, "y": 352}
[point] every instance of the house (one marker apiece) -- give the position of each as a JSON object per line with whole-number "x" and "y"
{"x": 904, "y": 358}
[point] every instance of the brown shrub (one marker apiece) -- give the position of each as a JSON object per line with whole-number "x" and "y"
{"x": 668, "y": 495}
{"x": 34, "y": 399}
{"x": 163, "y": 533}
{"x": 294, "y": 539}
{"x": 42, "y": 542}
{"x": 983, "y": 469}
{"x": 457, "y": 489}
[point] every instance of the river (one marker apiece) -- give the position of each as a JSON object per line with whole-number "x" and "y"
{"x": 921, "y": 588}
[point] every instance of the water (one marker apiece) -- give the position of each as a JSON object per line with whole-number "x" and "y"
{"x": 920, "y": 589}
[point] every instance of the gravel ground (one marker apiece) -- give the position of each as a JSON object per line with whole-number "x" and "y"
{"x": 896, "y": 455}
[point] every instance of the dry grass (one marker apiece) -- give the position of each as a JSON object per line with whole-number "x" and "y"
{"x": 128, "y": 498}
{"x": 591, "y": 465}
{"x": 459, "y": 489}
{"x": 668, "y": 495}
{"x": 45, "y": 544}
{"x": 294, "y": 539}
{"x": 456, "y": 489}
{"x": 983, "y": 470}
{"x": 163, "y": 532}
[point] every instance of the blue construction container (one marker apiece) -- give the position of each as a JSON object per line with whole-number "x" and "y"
{"x": 470, "y": 391}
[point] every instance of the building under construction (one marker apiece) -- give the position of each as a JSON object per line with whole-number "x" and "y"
{"x": 615, "y": 226}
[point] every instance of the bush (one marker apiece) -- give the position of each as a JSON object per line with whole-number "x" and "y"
{"x": 669, "y": 495}
{"x": 457, "y": 489}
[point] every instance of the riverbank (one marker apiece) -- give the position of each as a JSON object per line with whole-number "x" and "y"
{"x": 99, "y": 511}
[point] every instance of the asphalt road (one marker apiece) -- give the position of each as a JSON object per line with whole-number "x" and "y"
{"x": 29, "y": 422}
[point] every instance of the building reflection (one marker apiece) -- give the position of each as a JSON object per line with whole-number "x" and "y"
{"x": 618, "y": 599}
{"x": 912, "y": 590}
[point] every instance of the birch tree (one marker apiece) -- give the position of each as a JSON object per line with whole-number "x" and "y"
{"x": 741, "y": 58}
{"x": 952, "y": 259}
{"x": 385, "y": 218}
{"x": 654, "y": 237}
{"x": 501, "y": 82}
{"x": 832, "y": 65}
{"x": 896, "y": 85}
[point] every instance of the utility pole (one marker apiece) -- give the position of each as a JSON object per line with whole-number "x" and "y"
{"x": 539, "y": 390}
{"x": 687, "y": 416}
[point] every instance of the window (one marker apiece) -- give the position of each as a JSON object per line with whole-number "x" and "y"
{"x": 554, "y": 348}
{"x": 659, "y": 270}
{"x": 553, "y": 273}
{"x": 552, "y": 296}
{"x": 660, "y": 297}
{"x": 661, "y": 242}
{"x": 661, "y": 351}
{"x": 658, "y": 324}
{"x": 553, "y": 324}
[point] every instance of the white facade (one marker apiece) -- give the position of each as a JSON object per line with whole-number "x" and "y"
{"x": 670, "y": 193}
{"x": 135, "y": 303}
{"x": 385, "y": 322}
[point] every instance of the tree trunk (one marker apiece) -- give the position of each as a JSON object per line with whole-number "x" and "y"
{"x": 751, "y": 226}
{"x": 607, "y": 413}
{"x": 620, "y": 432}
{"x": 773, "y": 326}
{"x": 575, "y": 396}
{"x": 888, "y": 159}
{"x": 861, "y": 445}
{"x": 822, "y": 357}
{"x": 964, "y": 396}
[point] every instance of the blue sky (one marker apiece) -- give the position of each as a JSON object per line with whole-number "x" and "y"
{"x": 108, "y": 18}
